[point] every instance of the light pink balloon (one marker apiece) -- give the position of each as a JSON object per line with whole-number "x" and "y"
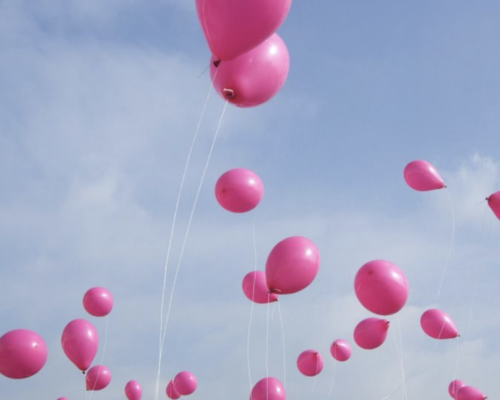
{"x": 239, "y": 190}
{"x": 172, "y": 392}
{"x": 381, "y": 287}
{"x": 80, "y": 342}
{"x": 98, "y": 377}
{"x": 310, "y": 363}
{"x": 470, "y": 393}
{"x": 98, "y": 301}
{"x": 23, "y": 353}
{"x": 341, "y": 350}
{"x": 254, "y": 77}
{"x": 371, "y": 333}
{"x": 454, "y": 387}
{"x": 255, "y": 288}
{"x": 133, "y": 390}
{"x": 292, "y": 265}
{"x": 268, "y": 389}
{"x": 438, "y": 325}
{"x": 494, "y": 203}
{"x": 185, "y": 382}
{"x": 422, "y": 176}
{"x": 232, "y": 29}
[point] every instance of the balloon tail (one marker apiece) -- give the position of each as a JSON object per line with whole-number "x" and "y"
{"x": 283, "y": 342}
{"x": 267, "y": 344}
{"x": 104, "y": 347}
{"x": 452, "y": 208}
{"x": 399, "y": 350}
{"x": 457, "y": 365}
{"x": 333, "y": 378}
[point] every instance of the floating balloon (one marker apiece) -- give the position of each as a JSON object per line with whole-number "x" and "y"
{"x": 422, "y": 176}
{"x": 62, "y": 398}
{"x": 80, "y": 342}
{"x": 254, "y": 77}
{"x": 98, "y": 377}
{"x": 239, "y": 190}
{"x": 494, "y": 203}
{"x": 454, "y": 387}
{"x": 438, "y": 325}
{"x": 233, "y": 29}
{"x": 133, "y": 390}
{"x": 23, "y": 353}
{"x": 469, "y": 393}
{"x": 381, "y": 287}
{"x": 185, "y": 383}
{"x": 172, "y": 392}
{"x": 98, "y": 301}
{"x": 268, "y": 389}
{"x": 292, "y": 265}
{"x": 371, "y": 333}
{"x": 341, "y": 350}
{"x": 310, "y": 363}
{"x": 255, "y": 288}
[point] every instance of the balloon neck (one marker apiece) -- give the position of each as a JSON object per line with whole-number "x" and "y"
{"x": 275, "y": 291}
{"x": 83, "y": 372}
{"x": 487, "y": 199}
{"x": 228, "y": 93}
{"x": 216, "y": 63}
{"x": 445, "y": 187}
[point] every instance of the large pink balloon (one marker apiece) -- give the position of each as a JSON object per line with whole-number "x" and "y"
{"x": 454, "y": 387}
{"x": 371, "y": 333}
{"x": 310, "y": 363}
{"x": 239, "y": 190}
{"x": 98, "y": 377}
{"x": 133, "y": 390}
{"x": 172, "y": 392}
{"x": 255, "y": 288}
{"x": 381, "y": 287}
{"x": 23, "y": 353}
{"x": 470, "y": 393}
{"x": 268, "y": 389}
{"x": 422, "y": 176}
{"x": 292, "y": 265}
{"x": 98, "y": 301}
{"x": 494, "y": 203}
{"x": 438, "y": 325}
{"x": 233, "y": 28}
{"x": 80, "y": 342}
{"x": 341, "y": 350}
{"x": 254, "y": 77}
{"x": 185, "y": 383}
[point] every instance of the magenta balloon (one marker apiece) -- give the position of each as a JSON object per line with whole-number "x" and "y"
{"x": 292, "y": 265}
{"x": 268, "y": 389}
{"x": 422, "y": 176}
{"x": 172, "y": 392}
{"x": 371, "y": 333}
{"x": 255, "y": 288}
{"x": 454, "y": 387}
{"x": 239, "y": 190}
{"x": 185, "y": 382}
{"x": 310, "y": 363}
{"x": 469, "y": 393}
{"x": 341, "y": 350}
{"x": 98, "y": 377}
{"x": 133, "y": 390}
{"x": 494, "y": 203}
{"x": 438, "y": 325}
{"x": 232, "y": 29}
{"x": 254, "y": 77}
{"x": 98, "y": 301}
{"x": 80, "y": 342}
{"x": 381, "y": 287}
{"x": 23, "y": 353}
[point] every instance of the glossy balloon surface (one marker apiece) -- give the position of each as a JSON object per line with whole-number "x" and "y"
{"x": 239, "y": 190}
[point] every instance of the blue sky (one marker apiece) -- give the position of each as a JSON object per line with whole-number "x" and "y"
{"x": 99, "y": 101}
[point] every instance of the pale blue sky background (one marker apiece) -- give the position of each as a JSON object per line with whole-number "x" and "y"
{"x": 99, "y": 101}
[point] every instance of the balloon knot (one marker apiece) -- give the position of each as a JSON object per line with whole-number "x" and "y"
{"x": 487, "y": 199}
{"x": 216, "y": 63}
{"x": 83, "y": 372}
{"x": 228, "y": 93}
{"x": 445, "y": 186}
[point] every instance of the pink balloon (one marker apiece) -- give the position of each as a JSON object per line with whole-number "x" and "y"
{"x": 185, "y": 382}
{"x": 255, "y": 288}
{"x": 254, "y": 77}
{"x": 268, "y": 389}
{"x": 381, "y": 287}
{"x": 371, "y": 333}
{"x": 23, "y": 353}
{"x": 341, "y": 350}
{"x": 80, "y": 342}
{"x": 292, "y": 265}
{"x": 62, "y": 398}
{"x": 469, "y": 393}
{"x": 172, "y": 392}
{"x": 310, "y": 363}
{"x": 133, "y": 390}
{"x": 98, "y": 301}
{"x": 454, "y": 387}
{"x": 98, "y": 377}
{"x": 494, "y": 203}
{"x": 232, "y": 29}
{"x": 239, "y": 190}
{"x": 422, "y": 176}
{"x": 438, "y": 325}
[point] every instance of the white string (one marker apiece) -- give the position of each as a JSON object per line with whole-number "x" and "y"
{"x": 402, "y": 356}
{"x": 251, "y": 302}
{"x": 283, "y": 341}
{"x": 316, "y": 376}
{"x": 105, "y": 345}
{"x": 267, "y": 346}
{"x": 451, "y": 243}
{"x": 333, "y": 379}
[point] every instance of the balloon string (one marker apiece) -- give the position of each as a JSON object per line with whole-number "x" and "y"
{"x": 333, "y": 378}
{"x": 102, "y": 357}
{"x": 457, "y": 365}
{"x": 267, "y": 346}
{"x": 402, "y": 356}
{"x": 251, "y": 302}
{"x": 399, "y": 351}
{"x": 452, "y": 208}
{"x": 283, "y": 342}
{"x": 316, "y": 376}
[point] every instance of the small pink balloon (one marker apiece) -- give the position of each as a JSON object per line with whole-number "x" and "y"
{"x": 310, "y": 363}
{"x": 239, "y": 190}
{"x": 292, "y": 265}
{"x": 371, "y": 333}
{"x": 470, "y": 393}
{"x": 98, "y": 377}
{"x": 254, "y": 77}
{"x": 172, "y": 392}
{"x": 80, "y": 342}
{"x": 341, "y": 350}
{"x": 185, "y": 382}
{"x": 494, "y": 203}
{"x": 268, "y": 389}
{"x": 255, "y": 288}
{"x": 23, "y": 353}
{"x": 98, "y": 301}
{"x": 454, "y": 387}
{"x": 133, "y": 390}
{"x": 422, "y": 176}
{"x": 438, "y": 325}
{"x": 381, "y": 287}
